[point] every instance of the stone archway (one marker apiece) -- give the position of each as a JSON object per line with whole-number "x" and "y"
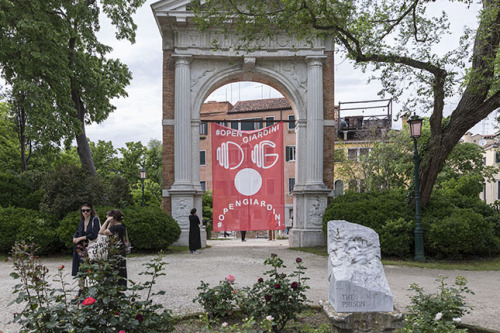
{"x": 191, "y": 71}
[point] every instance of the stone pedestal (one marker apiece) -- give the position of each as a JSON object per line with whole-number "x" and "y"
{"x": 363, "y": 322}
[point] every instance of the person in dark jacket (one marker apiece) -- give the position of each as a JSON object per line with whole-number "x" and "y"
{"x": 194, "y": 232}
{"x": 114, "y": 227}
{"x": 88, "y": 229}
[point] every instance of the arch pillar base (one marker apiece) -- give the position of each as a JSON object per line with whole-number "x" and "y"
{"x": 309, "y": 206}
{"x": 182, "y": 203}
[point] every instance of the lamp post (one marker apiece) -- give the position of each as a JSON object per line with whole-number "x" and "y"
{"x": 415, "y": 124}
{"x": 143, "y": 176}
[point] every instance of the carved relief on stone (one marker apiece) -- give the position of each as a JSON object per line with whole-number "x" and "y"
{"x": 317, "y": 207}
{"x": 192, "y": 38}
{"x": 356, "y": 275}
{"x": 181, "y": 211}
{"x": 294, "y": 70}
{"x": 201, "y": 70}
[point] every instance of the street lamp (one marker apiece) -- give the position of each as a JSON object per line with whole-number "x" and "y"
{"x": 143, "y": 176}
{"x": 415, "y": 124}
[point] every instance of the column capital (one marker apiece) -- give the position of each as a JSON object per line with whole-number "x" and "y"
{"x": 181, "y": 59}
{"x": 315, "y": 60}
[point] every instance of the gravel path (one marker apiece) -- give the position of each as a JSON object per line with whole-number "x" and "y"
{"x": 245, "y": 262}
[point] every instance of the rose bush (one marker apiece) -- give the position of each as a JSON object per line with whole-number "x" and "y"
{"x": 102, "y": 306}
{"x": 279, "y": 296}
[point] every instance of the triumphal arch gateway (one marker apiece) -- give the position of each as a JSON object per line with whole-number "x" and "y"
{"x": 192, "y": 69}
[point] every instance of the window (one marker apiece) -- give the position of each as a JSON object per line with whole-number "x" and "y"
{"x": 338, "y": 188}
{"x": 497, "y": 157}
{"x": 352, "y": 154}
{"x": 248, "y": 125}
{"x": 203, "y": 185}
{"x": 290, "y": 153}
{"x": 269, "y": 121}
{"x": 203, "y": 129}
{"x": 203, "y": 154}
{"x": 222, "y": 123}
{"x": 364, "y": 151}
{"x": 291, "y": 184}
{"x": 498, "y": 190}
{"x": 291, "y": 124}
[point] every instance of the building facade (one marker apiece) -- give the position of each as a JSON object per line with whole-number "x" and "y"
{"x": 491, "y": 157}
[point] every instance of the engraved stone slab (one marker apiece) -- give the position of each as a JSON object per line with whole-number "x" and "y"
{"x": 356, "y": 275}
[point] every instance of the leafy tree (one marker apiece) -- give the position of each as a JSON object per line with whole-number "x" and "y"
{"x": 132, "y": 161}
{"x": 10, "y": 147}
{"x": 152, "y": 193}
{"x": 105, "y": 159}
{"x": 60, "y": 77}
{"x": 154, "y": 160}
{"x": 401, "y": 40}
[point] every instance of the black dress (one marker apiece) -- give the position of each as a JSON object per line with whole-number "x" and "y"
{"x": 91, "y": 234}
{"x": 120, "y": 230}
{"x": 194, "y": 233}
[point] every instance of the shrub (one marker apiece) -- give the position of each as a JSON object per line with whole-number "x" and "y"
{"x": 439, "y": 312}
{"x": 102, "y": 305}
{"x": 150, "y": 228}
{"x": 396, "y": 238}
{"x": 68, "y": 187}
{"x": 217, "y": 301}
{"x": 463, "y": 233}
{"x": 280, "y": 296}
{"x": 26, "y": 224}
{"x": 371, "y": 209}
{"x": 21, "y": 190}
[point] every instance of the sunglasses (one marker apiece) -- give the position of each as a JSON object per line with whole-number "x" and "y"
{"x": 85, "y": 210}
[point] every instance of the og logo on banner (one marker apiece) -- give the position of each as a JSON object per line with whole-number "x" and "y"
{"x": 248, "y": 178}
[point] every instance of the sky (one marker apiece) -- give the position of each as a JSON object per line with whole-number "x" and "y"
{"x": 138, "y": 117}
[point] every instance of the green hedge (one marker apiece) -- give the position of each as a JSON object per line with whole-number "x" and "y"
{"x": 463, "y": 233}
{"x": 150, "y": 228}
{"x": 455, "y": 226}
{"x": 18, "y": 224}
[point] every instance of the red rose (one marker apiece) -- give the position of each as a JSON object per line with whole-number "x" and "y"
{"x": 277, "y": 286}
{"x": 298, "y": 259}
{"x": 88, "y": 301}
{"x": 260, "y": 280}
{"x": 139, "y": 318}
{"x": 61, "y": 267}
{"x": 267, "y": 297}
{"x": 294, "y": 285}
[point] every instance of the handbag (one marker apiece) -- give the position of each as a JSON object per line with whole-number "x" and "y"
{"x": 98, "y": 248}
{"x": 127, "y": 245}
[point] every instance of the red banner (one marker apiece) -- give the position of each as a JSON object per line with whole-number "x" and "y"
{"x": 247, "y": 171}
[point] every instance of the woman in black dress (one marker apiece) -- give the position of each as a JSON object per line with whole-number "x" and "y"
{"x": 114, "y": 227}
{"x": 87, "y": 230}
{"x": 194, "y": 232}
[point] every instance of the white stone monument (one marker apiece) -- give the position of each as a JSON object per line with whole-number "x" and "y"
{"x": 356, "y": 275}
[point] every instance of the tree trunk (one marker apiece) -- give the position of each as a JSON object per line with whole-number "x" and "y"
{"x": 21, "y": 121}
{"x": 83, "y": 147}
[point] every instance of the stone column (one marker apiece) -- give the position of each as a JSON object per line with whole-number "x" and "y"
{"x": 184, "y": 194}
{"x": 314, "y": 174}
{"x": 182, "y": 135}
{"x": 310, "y": 193}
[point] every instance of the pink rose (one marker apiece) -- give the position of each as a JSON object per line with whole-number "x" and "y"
{"x": 230, "y": 278}
{"x": 88, "y": 301}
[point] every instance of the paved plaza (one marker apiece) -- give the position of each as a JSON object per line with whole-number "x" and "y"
{"x": 244, "y": 260}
